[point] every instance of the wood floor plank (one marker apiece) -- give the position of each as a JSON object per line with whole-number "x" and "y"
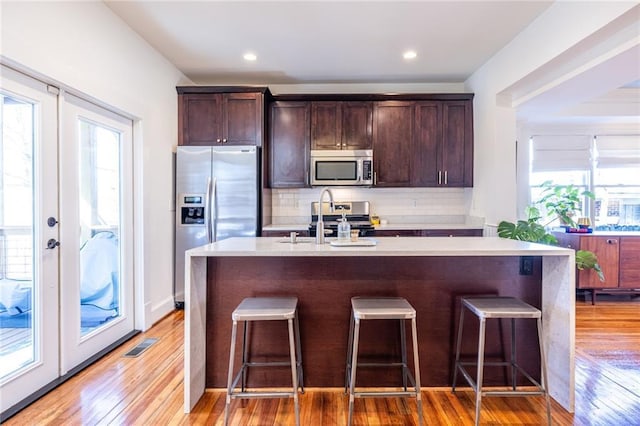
{"x": 148, "y": 390}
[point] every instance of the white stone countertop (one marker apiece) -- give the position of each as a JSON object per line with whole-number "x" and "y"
{"x": 385, "y": 246}
{"x": 603, "y": 233}
{"x": 287, "y": 227}
{"x": 388, "y": 226}
{"x": 411, "y": 226}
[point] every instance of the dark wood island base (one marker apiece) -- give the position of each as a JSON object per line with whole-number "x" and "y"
{"x": 324, "y": 287}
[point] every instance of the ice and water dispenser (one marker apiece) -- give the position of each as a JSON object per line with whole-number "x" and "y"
{"x": 191, "y": 209}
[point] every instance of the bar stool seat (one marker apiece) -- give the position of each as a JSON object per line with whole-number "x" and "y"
{"x": 265, "y": 309}
{"x": 500, "y": 307}
{"x": 382, "y": 308}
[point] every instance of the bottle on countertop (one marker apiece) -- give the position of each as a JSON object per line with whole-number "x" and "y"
{"x": 344, "y": 229}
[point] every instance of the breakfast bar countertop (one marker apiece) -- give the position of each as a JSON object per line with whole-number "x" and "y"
{"x": 385, "y": 246}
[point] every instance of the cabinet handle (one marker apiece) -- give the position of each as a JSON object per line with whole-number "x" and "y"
{"x": 219, "y": 140}
{"x": 375, "y": 178}
{"x": 445, "y": 177}
{"x": 224, "y": 141}
{"x": 612, "y": 241}
{"x": 439, "y": 177}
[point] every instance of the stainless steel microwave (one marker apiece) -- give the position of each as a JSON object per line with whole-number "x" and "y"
{"x": 342, "y": 167}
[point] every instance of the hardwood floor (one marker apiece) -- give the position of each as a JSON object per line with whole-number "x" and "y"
{"x": 148, "y": 390}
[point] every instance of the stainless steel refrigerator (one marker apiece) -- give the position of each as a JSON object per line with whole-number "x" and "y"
{"x": 217, "y": 196}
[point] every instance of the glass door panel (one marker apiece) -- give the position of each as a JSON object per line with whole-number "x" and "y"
{"x": 99, "y": 195}
{"x": 16, "y": 236}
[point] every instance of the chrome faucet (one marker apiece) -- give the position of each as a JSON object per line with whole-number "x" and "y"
{"x": 320, "y": 224}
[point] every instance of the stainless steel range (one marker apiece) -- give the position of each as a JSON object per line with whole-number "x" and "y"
{"x": 357, "y": 213}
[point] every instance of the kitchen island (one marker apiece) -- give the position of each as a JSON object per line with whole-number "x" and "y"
{"x": 433, "y": 273}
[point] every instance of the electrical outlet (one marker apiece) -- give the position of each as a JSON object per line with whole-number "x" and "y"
{"x": 526, "y": 265}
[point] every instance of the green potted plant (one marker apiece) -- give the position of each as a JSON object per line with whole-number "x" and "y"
{"x": 562, "y": 201}
{"x": 533, "y": 231}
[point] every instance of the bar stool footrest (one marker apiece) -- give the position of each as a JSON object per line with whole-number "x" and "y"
{"x": 259, "y": 394}
{"x": 269, "y": 364}
{"x": 474, "y": 385}
{"x": 512, "y": 393}
{"x": 378, "y": 394}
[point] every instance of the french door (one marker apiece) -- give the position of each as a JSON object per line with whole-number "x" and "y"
{"x": 29, "y": 343}
{"x": 96, "y": 251}
{"x": 66, "y": 253}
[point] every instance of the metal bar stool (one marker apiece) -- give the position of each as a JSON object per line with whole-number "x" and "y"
{"x": 265, "y": 309}
{"x": 500, "y": 307}
{"x": 382, "y": 308}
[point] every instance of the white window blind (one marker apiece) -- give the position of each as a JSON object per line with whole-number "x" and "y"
{"x": 618, "y": 151}
{"x": 557, "y": 153}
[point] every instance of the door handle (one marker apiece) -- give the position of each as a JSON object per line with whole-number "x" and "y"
{"x": 214, "y": 210}
{"x": 52, "y": 222}
{"x": 207, "y": 210}
{"x": 52, "y": 243}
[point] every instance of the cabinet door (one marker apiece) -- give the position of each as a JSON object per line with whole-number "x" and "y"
{"x": 357, "y": 125}
{"x": 399, "y": 233}
{"x": 426, "y": 144}
{"x": 452, "y": 232}
{"x": 325, "y": 125}
{"x": 457, "y": 144}
{"x": 607, "y": 250}
{"x": 341, "y": 125}
{"x": 285, "y": 233}
{"x": 200, "y": 119}
{"x": 289, "y": 145}
{"x": 242, "y": 119}
{"x": 629, "y": 262}
{"x": 392, "y": 149}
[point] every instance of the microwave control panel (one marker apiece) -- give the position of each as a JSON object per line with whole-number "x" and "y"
{"x": 366, "y": 170}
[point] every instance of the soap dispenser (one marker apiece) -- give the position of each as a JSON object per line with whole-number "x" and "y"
{"x": 344, "y": 229}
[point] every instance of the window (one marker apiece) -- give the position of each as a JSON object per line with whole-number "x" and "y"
{"x": 564, "y": 160}
{"x": 608, "y": 166}
{"x": 616, "y": 182}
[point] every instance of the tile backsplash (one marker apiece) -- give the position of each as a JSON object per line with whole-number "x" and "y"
{"x": 396, "y": 205}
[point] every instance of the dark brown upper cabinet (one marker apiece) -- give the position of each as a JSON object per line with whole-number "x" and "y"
{"x": 443, "y": 144}
{"x": 208, "y": 117}
{"x": 341, "y": 124}
{"x": 456, "y": 158}
{"x": 289, "y": 144}
{"x": 426, "y": 143}
{"x": 392, "y": 150}
{"x": 418, "y": 140}
{"x": 423, "y": 143}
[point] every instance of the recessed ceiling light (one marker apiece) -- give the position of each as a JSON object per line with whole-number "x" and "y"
{"x": 410, "y": 54}
{"x": 250, "y": 57}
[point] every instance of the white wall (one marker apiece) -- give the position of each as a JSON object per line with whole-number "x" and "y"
{"x": 541, "y": 45}
{"x": 84, "y": 46}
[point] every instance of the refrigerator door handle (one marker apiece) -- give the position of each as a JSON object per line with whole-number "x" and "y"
{"x": 214, "y": 211}
{"x": 207, "y": 210}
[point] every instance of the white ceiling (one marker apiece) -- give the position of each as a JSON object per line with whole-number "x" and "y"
{"x": 305, "y": 42}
